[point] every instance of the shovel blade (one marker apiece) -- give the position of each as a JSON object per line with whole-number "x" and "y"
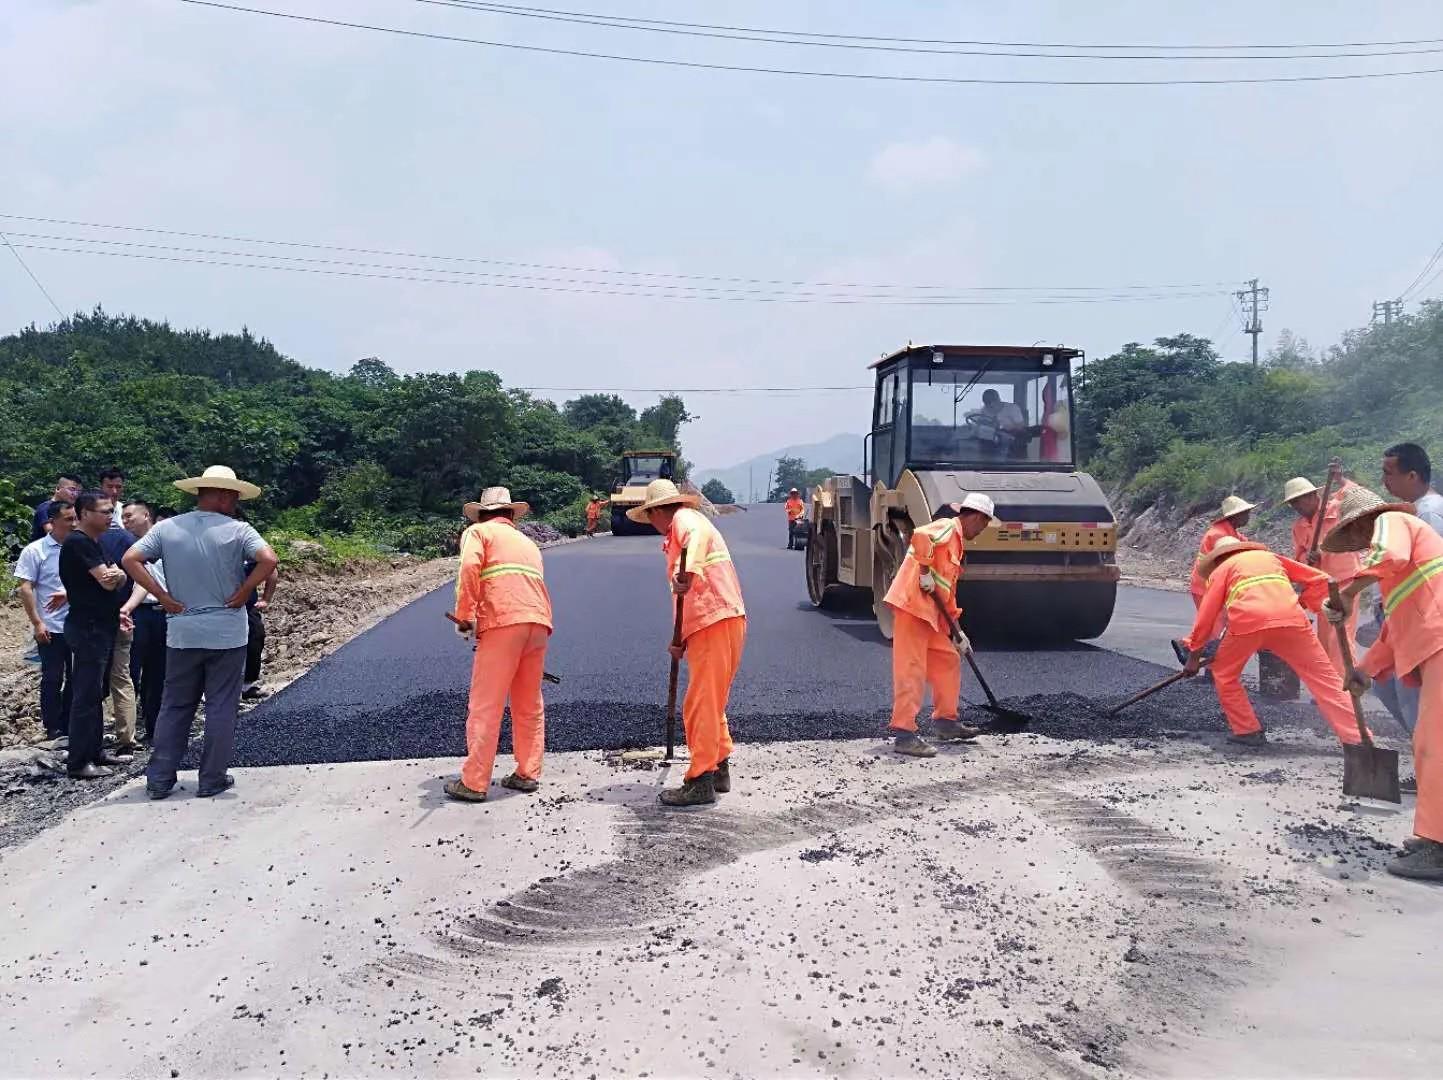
{"x": 1371, "y": 772}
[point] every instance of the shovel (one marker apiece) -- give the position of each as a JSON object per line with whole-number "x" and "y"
{"x": 1011, "y": 716}
{"x": 1369, "y": 771}
{"x": 554, "y": 679}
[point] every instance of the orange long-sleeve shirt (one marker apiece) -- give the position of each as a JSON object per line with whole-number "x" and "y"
{"x": 1256, "y": 589}
{"x": 795, "y": 509}
{"x": 500, "y": 582}
{"x": 1215, "y": 532}
{"x": 1342, "y": 566}
{"x": 716, "y": 591}
{"x": 1406, "y": 558}
{"x": 936, "y": 549}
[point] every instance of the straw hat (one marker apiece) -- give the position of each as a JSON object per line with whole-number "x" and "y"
{"x": 495, "y": 498}
{"x": 661, "y": 493}
{"x": 980, "y": 503}
{"x": 1225, "y": 547}
{"x": 1297, "y": 487}
{"x": 1232, "y": 506}
{"x": 1356, "y": 512}
{"x": 218, "y": 476}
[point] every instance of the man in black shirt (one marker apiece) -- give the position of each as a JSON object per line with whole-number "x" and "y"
{"x": 93, "y": 589}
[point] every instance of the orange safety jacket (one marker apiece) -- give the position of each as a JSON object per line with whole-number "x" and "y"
{"x": 1256, "y": 589}
{"x": 500, "y": 582}
{"x": 936, "y": 549}
{"x": 716, "y": 592}
{"x": 1341, "y": 566}
{"x": 1215, "y": 532}
{"x": 795, "y": 509}
{"x": 593, "y": 508}
{"x": 1406, "y": 558}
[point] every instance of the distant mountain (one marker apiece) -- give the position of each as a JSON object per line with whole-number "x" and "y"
{"x": 841, "y": 453}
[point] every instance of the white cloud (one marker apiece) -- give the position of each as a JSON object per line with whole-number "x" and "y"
{"x": 928, "y": 163}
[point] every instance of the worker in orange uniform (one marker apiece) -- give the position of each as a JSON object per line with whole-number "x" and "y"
{"x": 1306, "y": 499}
{"x": 1255, "y": 589}
{"x": 713, "y": 632}
{"x": 923, "y": 652}
{"x": 796, "y": 510}
{"x": 1402, "y": 553}
{"x": 1232, "y": 516}
{"x": 501, "y": 596}
{"x": 593, "y": 513}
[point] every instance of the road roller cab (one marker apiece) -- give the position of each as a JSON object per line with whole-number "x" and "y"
{"x": 638, "y": 468}
{"x": 951, "y": 419}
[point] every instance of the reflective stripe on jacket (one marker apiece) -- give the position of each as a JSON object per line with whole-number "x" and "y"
{"x": 716, "y": 591}
{"x": 936, "y": 550}
{"x": 500, "y": 582}
{"x": 1256, "y": 589}
{"x": 1215, "y": 532}
{"x": 1406, "y": 557}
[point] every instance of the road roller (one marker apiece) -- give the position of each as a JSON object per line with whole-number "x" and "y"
{"x": 949, "y": 419}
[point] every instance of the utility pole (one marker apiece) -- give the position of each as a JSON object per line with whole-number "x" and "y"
{"x": 1254, "y": 300}
{"x": 751, "y": 487}
{"x": 1387, "y": 310}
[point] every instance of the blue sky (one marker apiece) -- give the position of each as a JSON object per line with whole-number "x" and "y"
{"x": 154, "y": 112}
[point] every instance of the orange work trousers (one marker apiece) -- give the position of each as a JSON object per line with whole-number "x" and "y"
{"x": 922, "y": 657}
{"x": 1298, "y": 647}
{"x": 508, "y": 662}
{"x": 1428, "y": 751}
{"x": 713, "y": 655}
{"x": 1328, "y": 639}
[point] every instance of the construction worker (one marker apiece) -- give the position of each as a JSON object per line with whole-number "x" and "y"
{"x": 1234, "y": 513}
{"x": 1254, "y": 588}
{"x": 796, "y": 510}
{"x": 593, "y": 513}
{"x": 713, "y": 632}
{"x": 1306, "y": 500}
{"x": 923, "y": 652}
{"x": 1403, "y": 554}
{"x": 501, "y": 596}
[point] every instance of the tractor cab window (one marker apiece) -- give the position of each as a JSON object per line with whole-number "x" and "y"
{"x": 983, "y": 414}
{"x": 644, "y": 469}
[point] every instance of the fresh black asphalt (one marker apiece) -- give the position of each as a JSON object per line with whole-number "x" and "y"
{"x": 399, "y": 689}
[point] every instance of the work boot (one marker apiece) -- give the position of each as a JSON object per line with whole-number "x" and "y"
{"x": 159, "y": 791}
{"x": 115, "y": 757}
{"x": 722, "y": 778}
{"x": 1423, "y": 863}
{"x": 952, "y": 731}
{"x": 1414, "y": 843}
{"x": 210, "y": 793}
{"x": 699, "y": 791}
{"x": 1252, "y": 738}
{"x": 89, "y": 771}
{"x": 910, "y": 744}
{"x": 517, "y": 782}
{"x": 459, "y": 791}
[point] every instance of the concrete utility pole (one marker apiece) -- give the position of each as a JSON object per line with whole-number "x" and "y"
{"x": 1387, "y": 310}
{"x": 1255, "y": 301}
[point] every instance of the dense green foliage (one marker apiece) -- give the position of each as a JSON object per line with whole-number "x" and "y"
{"x": 718, "y": 492}
{"x": 1170, "y": 421}
{"x": 793, "y": 473}
{"x": 388, "y": 456}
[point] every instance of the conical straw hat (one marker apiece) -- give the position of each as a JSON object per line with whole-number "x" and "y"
{"x": 1357, "y": 510}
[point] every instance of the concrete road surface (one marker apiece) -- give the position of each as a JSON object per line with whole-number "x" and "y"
{"x": 1079, "y": 899}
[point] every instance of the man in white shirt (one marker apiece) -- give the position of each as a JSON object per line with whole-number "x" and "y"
{"x": 1408, "y": 475}
{"x": 45, "y": 602}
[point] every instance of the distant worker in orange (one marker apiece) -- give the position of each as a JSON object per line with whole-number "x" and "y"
{"x": 501, "y": 596}
{"x": 1306, "y": 499}
{"x": 796, "y": 510}
{"x": 1402, "y": 553}
{"x": 1254, "y": 588}
{"x": 923, "y": 653}
{"x": 1232, "y": 516}
{"x": 713, "y": 633}
{"x": 593, "y": 513}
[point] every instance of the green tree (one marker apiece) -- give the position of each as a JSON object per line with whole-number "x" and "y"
{"x": 718, "y": 492}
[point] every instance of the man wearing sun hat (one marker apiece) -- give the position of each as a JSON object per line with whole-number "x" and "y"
{"x": 1254, "y": 588}
{"x": 713, "y": 634}
{"x": 1233, "y": 514}
{"x": 1306, "y": 500}
{"x": 923, "y": 652}
{"x": 501, "y": 596}
{"x": 204, "y": 598}
{"x": 1403, "y": 554}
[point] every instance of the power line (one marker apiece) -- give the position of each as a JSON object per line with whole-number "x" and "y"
{"x": 698, "y": 65}
{"x": 1432, "y": 261}
{"x": 799, "y": 38}
{"x": 26, "y": 267}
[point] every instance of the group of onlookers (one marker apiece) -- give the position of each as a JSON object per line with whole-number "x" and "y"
{"x": 130, "y": 601}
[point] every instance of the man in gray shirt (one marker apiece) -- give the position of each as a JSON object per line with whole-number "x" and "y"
{"x": 204, "y": 597}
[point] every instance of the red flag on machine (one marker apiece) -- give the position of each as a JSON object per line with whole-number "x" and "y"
{"x": 1049, "y": 432}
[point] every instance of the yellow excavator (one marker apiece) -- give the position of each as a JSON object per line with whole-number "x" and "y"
{"x": 949, "y": 419}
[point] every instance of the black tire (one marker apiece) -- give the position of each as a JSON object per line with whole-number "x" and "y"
{"x": 821, "y": 568}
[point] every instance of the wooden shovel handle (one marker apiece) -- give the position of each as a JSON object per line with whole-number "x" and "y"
{"x": 675, "y": 666}
{"x": 1335, "y": 598}
{"x": 1335, "y": 477}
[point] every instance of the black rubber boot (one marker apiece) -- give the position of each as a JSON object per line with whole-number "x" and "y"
{"x": 953, "y": 731}
{"x": 700, "y": 791}
{"x": 1252, "y": 738}
{"x": 1423, "y": 863}
{"x": 910, "y": 744}
{"x": 722, "y": 778}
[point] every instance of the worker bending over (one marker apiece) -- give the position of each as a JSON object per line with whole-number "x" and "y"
{"x": 501, "y": 595}
{"x": 923, "y": 652}
{"x": 1403, "y": 554}
{"x": 713, "y": 632}
{"x": 1306, "y": 499}
{"x": 1254, "y": 588}
{"x": 1232, "y": 516}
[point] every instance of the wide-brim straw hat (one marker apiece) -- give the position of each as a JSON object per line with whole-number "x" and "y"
{"x": 661, "y": 493}
{"x": 493, "y": 499}
{"x": 222, "y": 477}
{"x": 1226, "y": 547}
{"x": 1232, "y": 506}
{"x": 1297, "y": 487}
{"x": 1357, "y": 510}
